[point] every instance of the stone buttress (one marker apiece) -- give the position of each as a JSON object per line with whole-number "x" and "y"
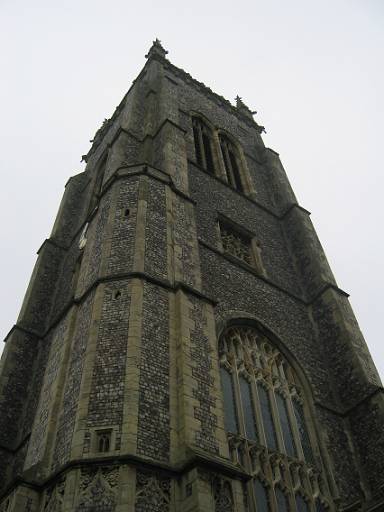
{"x": 110, "y": 393}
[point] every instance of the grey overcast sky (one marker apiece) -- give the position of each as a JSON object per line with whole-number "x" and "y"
{"x": 312, "y": 69}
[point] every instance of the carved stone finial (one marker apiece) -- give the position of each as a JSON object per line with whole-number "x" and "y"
{"x": 156, "y": 49}
{"x": 242, "y": 107}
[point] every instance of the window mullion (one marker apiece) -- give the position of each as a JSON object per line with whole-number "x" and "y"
{"x": 276, "y": 420}
{"x": 218, "y": 155}
{"x": 239, "y": 404}
{"x": 259, "y": 414}
{"x": 294, "y": 427}
{"x": 231, "y": 178}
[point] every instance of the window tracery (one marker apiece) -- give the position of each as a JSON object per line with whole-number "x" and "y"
{"x": 218, "y": 155}
{"x": 231, "y": 162}
{"x": 103, "y": 441}
{"x": 202, "y": 136}
{"x": 267, "y": 424}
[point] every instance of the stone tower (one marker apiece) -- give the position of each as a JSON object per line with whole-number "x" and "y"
{"x": 183, "y": 345}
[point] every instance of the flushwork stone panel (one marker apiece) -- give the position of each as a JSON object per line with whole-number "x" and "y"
{"x": 123, "y": 235}
{"x": 72, "y": 387}
{"x": 153, "y": 435}
{"x": 106, "y": 398}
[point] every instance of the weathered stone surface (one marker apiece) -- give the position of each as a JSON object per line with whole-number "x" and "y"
{"x": 110, "y": 389}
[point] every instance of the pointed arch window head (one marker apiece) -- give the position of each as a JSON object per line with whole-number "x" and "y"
{"x": 267, "y": 419}
{"x": 103, "y": 441}
{"x": 232, "y": 163}
{"x": 202, "y": 136}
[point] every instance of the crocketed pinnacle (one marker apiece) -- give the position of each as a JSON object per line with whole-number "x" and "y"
{"x": 242, "y": 107}
{"x": 156, "y": 49}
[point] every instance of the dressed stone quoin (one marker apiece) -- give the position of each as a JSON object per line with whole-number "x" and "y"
{"x": 183, "y": 345}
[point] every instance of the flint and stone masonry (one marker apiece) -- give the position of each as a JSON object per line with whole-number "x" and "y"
{"x": 183, "y": 344}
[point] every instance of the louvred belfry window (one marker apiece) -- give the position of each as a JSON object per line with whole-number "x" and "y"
{"x": 203, "y": 145}
{"x": 231, "y": 163}
{"x": 268, "y": 424}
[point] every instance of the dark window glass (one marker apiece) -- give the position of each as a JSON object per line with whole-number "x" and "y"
{"x": 103, "y": 441}
{"x": 231, "y": 163}
{"x": 197, "y": 145}
{"x": 229, "y": 401}
{"x": 319, "y": 506}
{"x": 282, "y": 500}
{"x": 249, "y": 417}
{"x": 285, "y": 425}
{"x": 304, "y": 437}
{"x": 266, "y": 412}
{"x": 208, "y": 154}
{"x": 235, "y": 171}
{"x": 203, "y": 145}
{"x": 226, "y": 162}
{"x": 261, "y": 494}
{"x": 301, "y": 504}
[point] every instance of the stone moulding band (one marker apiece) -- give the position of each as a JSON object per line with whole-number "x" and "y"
{"x": 256, "y": 203}
{"x": 248, "y": 268}
{"x": 143, "y": 169}
{"x": 115, "y": 277}
{"x": 198, "y": 459}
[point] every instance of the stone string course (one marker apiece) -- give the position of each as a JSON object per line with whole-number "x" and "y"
{"x": 121, "y": 333}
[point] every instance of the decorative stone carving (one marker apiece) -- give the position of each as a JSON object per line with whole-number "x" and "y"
{"x": 222, "y": 495}
{"x": 236, "y": 244}
{"x": 54, "y": 497}
{"x": 98, "y": 491}
{"x": 156, "y": 49}
{"x": 152, "y": 493}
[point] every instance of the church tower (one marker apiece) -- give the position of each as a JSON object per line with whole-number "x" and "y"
{"x": 183, "y": 344}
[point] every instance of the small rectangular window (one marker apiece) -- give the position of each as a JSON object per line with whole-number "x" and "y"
{"x": 103, "y": 441}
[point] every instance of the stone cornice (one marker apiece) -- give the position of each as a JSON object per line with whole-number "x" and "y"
{"x": 22, "y": 329}
{"x": 195, "y": 459}
{"x": 120, "y": 173}
{"x": 112, "y": 278}
{"x": 50, "y": 241}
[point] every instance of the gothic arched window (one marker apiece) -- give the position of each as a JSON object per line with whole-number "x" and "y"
{"x": 269, "y": 428}
{"x": 202, "y": 136}
{"x": 231, "y": 161}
